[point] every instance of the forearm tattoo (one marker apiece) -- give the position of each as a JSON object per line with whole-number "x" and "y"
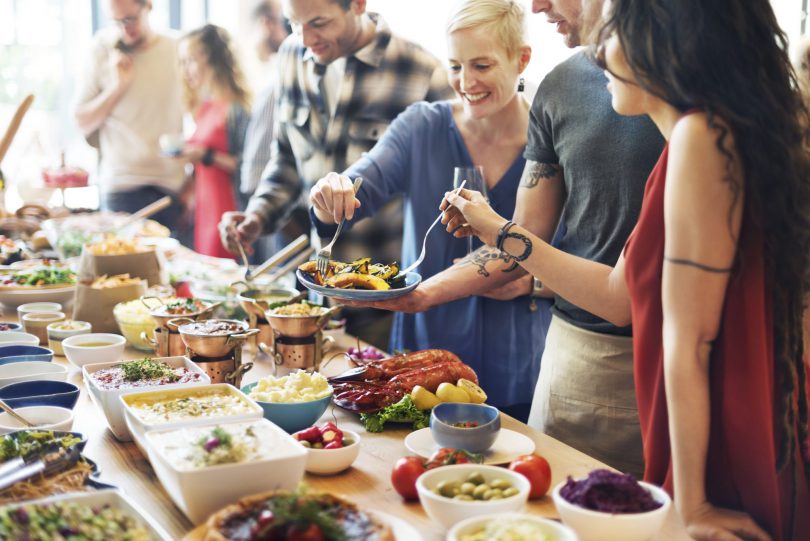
{"x": 527, "y": 250}
{"x": 485, "y": 255}
{"x": 701, "y": 266}
{"x": 535, "y": 172}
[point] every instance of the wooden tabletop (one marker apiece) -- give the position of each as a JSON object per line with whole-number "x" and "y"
{"x": 367, "y": 482}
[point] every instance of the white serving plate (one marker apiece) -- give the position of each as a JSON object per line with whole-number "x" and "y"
{"x": 202, "y": 491}
{"x": 111, "y": 497}
{"x": 108, "y": 399}
{"x": 12, "y": 298}
{"x": 31, "y": 370}
{"x": 508, "y": 445}
{"x": 138, "y": 428}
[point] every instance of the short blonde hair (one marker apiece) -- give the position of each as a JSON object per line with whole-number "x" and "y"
{"x": 506, "y": 18}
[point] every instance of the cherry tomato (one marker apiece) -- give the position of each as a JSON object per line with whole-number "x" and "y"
{"x": 536, "y": 469}
{"x": 312, "y": 532}
{"x": 448, "y": 455}
{"x": 404, "y": 475}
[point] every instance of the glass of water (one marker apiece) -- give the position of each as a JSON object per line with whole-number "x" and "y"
{"x": 474, "y": 175}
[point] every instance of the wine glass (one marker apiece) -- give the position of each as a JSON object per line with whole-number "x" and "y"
{"x": 474, "y": 175}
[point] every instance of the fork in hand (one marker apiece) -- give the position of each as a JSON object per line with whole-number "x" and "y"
{"x": 421, "y": 257}
{"x": 322, "y": 263}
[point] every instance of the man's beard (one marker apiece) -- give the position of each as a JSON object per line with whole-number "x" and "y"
{"x": 127, "y": 48}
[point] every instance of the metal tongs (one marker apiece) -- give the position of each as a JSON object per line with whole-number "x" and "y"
{"x": 293, "y": 248}
{"x": 20, "y": 469}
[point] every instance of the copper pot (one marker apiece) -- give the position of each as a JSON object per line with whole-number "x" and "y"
{"x": 162, "y": 319}
{"x": 299, "y": 326}
{"x": 211, "y": 345}
{"x": 166, "y": 343}
{"x": 256, "y": 301}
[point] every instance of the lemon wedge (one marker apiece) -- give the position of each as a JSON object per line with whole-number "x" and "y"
{"x": 476, "y": 393}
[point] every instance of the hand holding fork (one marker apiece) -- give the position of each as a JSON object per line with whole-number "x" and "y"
{"x": 324, "y": 255}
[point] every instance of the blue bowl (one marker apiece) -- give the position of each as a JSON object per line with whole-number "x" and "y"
{"x": 10, "y": 326}
{"x": 40, "y": 393}
{"x": 292, "y": 417}
{"x": 477, "y": 439}
{"x": 18, "y": 354}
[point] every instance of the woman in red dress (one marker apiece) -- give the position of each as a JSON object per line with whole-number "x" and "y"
{"x": 716, "y": 271}
{"x": 216, "y": 95}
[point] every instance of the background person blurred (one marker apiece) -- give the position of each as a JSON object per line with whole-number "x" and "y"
{"x": 486, "y": 125}
{"x": 217, "y": 96}
{"x": 343, "y": 78}
{"x": 128, "y": 97}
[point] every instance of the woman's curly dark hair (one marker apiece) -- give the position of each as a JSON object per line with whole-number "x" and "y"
{"x": 227, "y": 73}
{"x": 730, "y": 59}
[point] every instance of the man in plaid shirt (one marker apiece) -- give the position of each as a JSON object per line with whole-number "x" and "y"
{"x": 343, "y": 77}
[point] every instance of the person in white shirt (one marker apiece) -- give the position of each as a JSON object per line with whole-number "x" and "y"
{"x": 129, "y": 97}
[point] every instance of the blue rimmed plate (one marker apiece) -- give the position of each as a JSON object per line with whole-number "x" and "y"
{"x": 412, "y": 280}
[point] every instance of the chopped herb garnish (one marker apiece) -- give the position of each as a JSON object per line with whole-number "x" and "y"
{"x": 147, "y": 369}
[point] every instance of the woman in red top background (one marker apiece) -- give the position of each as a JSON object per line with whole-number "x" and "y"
{"x": 715, "y": 273}
{"x": 216, "y": 94}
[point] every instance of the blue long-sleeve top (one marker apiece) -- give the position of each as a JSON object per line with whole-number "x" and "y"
{"x": 501, "y": 340}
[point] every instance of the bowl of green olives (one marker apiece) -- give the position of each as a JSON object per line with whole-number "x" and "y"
{"x": 450, "y": 494}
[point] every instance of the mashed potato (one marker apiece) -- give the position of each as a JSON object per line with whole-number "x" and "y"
{"x": 508, "y": 529}
{"x": 299, "y": 386}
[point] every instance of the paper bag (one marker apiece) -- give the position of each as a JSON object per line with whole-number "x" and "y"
{"x": 149, "y": 265}
{"x": 96, "y": 305}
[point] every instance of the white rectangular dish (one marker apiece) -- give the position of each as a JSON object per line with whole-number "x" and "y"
{"x": 146, "y": 410}
{"x": 108, "y": 399}
{"x": 272, "y": 460}
{"x": 100, "y": 498}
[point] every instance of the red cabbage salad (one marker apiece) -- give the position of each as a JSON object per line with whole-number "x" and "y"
{"x": 609, "y": 492}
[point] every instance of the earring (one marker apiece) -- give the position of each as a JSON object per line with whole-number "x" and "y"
{"x": 521, "y": 85}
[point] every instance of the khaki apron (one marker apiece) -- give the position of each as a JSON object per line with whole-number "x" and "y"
{"x": 585, "y": 395}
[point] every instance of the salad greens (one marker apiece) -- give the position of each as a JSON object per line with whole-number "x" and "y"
{"x": 41, "y": 276}
{"x": 404, "y": 411}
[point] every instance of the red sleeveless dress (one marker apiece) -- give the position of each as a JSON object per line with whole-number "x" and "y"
{"x": 740, "y": 464}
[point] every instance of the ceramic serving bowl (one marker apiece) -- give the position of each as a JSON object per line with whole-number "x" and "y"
{"x": 59, "y": 331}
{"x": 293, "y": 416}
{"x": 93, "y": 348}
{"x": 40, "y": 393}
{"x": 10, "y": 326}
{"x": 108, "y": 399}
{"x": 37, "y": 307}
{"x": 44, "y": 417}
{"x": 601, "y": 526}
{"x": 446, "y": 420}
{"x": 31, "y": 370}
{"x": 331, "y": 461}
{"x": 447, "y": 511}
{"x": 16, "y": 338}
{"x": 20, "y": 354}
{"x": 36, "y": 323}
{"x": 543, "y": 528}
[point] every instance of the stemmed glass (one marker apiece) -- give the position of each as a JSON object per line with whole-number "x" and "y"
{"x": 474, "y": 175}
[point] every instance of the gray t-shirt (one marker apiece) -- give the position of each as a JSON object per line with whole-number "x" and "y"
{"x": 606, "y": 159}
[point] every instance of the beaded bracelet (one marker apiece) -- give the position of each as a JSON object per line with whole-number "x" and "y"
{"x": 502, "y": 234}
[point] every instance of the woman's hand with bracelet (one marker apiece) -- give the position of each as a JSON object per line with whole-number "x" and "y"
{"x": 468, "y": 213}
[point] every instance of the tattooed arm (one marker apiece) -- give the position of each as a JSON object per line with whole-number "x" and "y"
{"x": 486, "y": 271}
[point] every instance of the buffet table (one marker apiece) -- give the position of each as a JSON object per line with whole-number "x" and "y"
{"x": 367, "y": 482}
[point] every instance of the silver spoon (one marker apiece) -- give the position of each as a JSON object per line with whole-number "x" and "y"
{"x": 8, "y": 409}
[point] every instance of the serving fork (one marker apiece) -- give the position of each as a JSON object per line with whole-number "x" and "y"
{"x": 421, "y": 257}
{"x": 322, "y": 263}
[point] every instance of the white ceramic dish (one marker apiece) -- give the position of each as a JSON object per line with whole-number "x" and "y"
{"x": 44, "y": 417}
{"x": 80, "y": 355}
{"x": 112, "y": 497}
{"x": 508, "y": 445}
{"x": 17, "y": 338}
{"x": 598, "y": 526}
{"x": 57, "y": 335}
{"x": 447, "y": 511}
{"x": 554, "y": 530}
{"x": 201, "y": 491}
{"x": 37, "y": 307}
{"x": 108, "y": 399}
{"x": 138, "y": 427}
{"x": 31, "y": 370}
{"x": 331, "y": 461}
{"x": 12, "y": 298}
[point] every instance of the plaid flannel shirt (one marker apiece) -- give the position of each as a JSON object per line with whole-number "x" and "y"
{"x": 379, "y": 82}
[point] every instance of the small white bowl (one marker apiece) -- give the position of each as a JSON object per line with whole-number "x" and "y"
{"x": 16, "y": 338}
{"x": 31, "y": 370}
{"x": 37, "y": 307}
{"x": 598, "y": 526}
{"x": 44, "y": 417}
{"x": 447, "y": 512}
{"x": 552, "y": 529}
{"x": 80, "y": 355}
{"x": 330, "y": 461}
{"x": 57, "y": 334}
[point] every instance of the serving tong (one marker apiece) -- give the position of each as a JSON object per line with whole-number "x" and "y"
{"x": 295, "y": 246}
{"x": 56, "y": 459}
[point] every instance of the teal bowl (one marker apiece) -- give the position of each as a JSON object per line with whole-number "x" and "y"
{"x": 294, "y": 416}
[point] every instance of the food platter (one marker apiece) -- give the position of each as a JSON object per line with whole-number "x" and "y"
{"x": 508, "y": 446}
{"x": 15, "y": 296}
{"x": 412, "y": 280}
